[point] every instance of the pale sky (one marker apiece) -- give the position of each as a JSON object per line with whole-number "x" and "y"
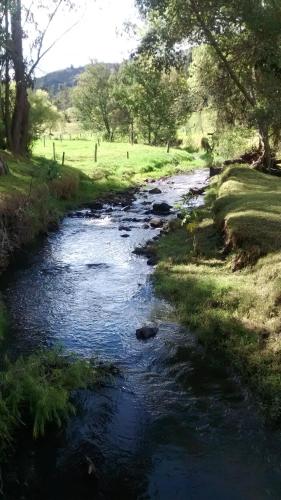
{"x": 99, "y": 35}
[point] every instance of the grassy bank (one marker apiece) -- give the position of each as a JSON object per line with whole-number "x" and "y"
{"x": 224, "y": 277}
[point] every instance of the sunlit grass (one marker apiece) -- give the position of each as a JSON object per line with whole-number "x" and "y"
{"x": 118, "y": 159}
{"x": 236, "y": 313}
{"x": 119, "y": 167}
{"x": 248, "y": 205}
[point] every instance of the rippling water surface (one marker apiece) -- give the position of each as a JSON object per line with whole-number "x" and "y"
{"x": 173, "y": 426}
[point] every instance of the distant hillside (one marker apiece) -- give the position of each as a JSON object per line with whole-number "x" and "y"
{"x": 64, "y": 78}
{"x": 57, "y": 80}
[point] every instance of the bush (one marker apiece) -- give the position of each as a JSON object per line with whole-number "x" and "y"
{"x": 232, "y": 142}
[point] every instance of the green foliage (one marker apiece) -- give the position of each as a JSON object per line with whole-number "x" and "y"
{"x": 232, "y": 142}
{"x": 136, "y": 100}
{"x": 199, "y": 125}
{"x": 229, "y": 141}
{"x": 156, "y": 101}
{"x": 93, "y": 98}
{"x": 19, "y": 22}
{"x": 241, "y": 63}
{"x": 36, "y": 390}
{"x": 211, "y": 86}
{"x": 44, "y": 116}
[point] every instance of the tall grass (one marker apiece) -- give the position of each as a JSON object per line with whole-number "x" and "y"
{"x": 36, "y": 391}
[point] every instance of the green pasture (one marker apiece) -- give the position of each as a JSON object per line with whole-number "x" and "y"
{"x": 121, "y": 160}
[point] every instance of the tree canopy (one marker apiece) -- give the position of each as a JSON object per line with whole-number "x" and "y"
{"x": 245, "y": 39}
{"x": 134, "y": 99}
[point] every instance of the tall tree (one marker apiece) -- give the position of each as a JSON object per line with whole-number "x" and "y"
{"x": 155, "y": 102}
{"x": 20, "y": 120}
{"x": 7, "y": 103}
{"x": 16, "y": 18}
{"x": 94, "y": 99}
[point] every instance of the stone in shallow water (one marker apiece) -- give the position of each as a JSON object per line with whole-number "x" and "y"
{"x": 155, "y": 191}
{"x": 146, "y": 332}
{"x": 97, "y": 265}
{"x": 95, "y": 205}
{"x": 197, "y": 191}
{"x": 155, "y": 223}
{"x": 161, "y": 208}
{"x": 152, "y": 261}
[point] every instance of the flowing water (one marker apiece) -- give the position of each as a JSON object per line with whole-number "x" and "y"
{"x": 173, "y": 425}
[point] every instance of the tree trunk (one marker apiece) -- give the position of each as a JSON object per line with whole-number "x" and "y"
{"x": 107, "y": 128}
{"x": 265, "y": 162}
{"x": 213, "y": 42}
{"x": 20, "y": 120}
{"x": 7, "y": 110}
{"x": 149, "y": 130}
{"x": 132, "y": 133}
{"x": 266, "y": 157}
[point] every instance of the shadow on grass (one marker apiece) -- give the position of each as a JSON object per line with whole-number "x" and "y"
{"x": 210, "y": 300}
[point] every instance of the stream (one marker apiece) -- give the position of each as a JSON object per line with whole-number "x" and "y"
{"x": 173, "y": 425}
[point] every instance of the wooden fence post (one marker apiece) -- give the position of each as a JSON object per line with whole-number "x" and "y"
{"x": 63, "y": 159}
{"x": 168, "y": 147}
{"x": 54, "y": 151}
{"x": 96, "y": 153}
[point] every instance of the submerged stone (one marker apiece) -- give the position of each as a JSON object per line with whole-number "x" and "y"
{"x": 146, "y": 332}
